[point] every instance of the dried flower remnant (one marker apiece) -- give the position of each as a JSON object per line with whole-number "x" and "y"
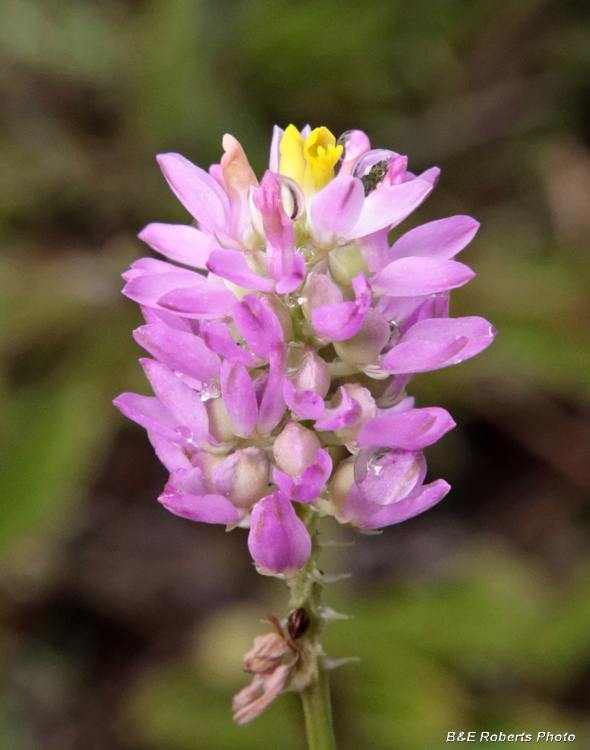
{"x": 264, "y": 661}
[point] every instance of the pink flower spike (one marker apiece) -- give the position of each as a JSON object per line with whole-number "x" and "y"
{"x": 278, "y": 540}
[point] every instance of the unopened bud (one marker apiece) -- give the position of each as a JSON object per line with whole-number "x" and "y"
{"x": 313, "y": 375}
{"x": 220, "y": 425}
{"x": 319, "y": 290}
{"x": 279, "y": 309}
{"x": 243, "y": 476}
{"x": 341, "y": 482}
{"x": 295, "y": 449}
{"x": 364, "y": 347}
{"x": 347, "y": 262}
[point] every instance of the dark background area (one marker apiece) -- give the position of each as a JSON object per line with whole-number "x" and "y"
{"x": 121, "y": 626}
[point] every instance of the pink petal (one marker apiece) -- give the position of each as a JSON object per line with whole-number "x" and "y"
{"x": 412, "y": 277}
{"x": 206, "y": 508}
{"x": 180, "y": 351}
{"x": 278, "y": 540}
{"x": 180, "y": 400}
{"x": 232, "y": 265}
{"x": 218, "y": 338}
{"x": 258, "y": 324}
{"x": 305, "y": 404}
{"x": 388, "y": 206}
{"x": 439, "y": 342}
{"x": 292, "y": 280}
{"x": 149, "y": 287}
{"x": 150, "y": 413}
{"x": 336, "y": 208}
{"x": 275, "y": 154}
{"x": 272, "y": 404}
{"x": 199, "y": 193}
{"x": 437, "y": 239}
{"x": 414, "y": 504}
{"x": 409, "y": 430}
{"x": 179, "y": 242}
{"x": 204, "y": 301}
{"x": 342, "y": 320}
{"x": 172, "y": 455}
{"x": 239, "y": 397}
{"x": 389, "y": 478}
{"x": 155, "y": 315}
{"x": 346, "y": 414}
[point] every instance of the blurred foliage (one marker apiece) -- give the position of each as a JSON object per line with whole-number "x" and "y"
{"x": 496, "y": 93}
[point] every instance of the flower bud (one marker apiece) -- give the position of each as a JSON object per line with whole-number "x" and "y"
{"x": 295, "y": 449}
{"x": 220, "y": 426}
{"x": 278, "y": 540}
{"x": 319, "y": 290}
{"x": 243, "y": 476}
{"x": 282, "y": 314}
{"x": 346, "y": 262}
{"x": 341, "y": 482}
{"x": 313, "y": 375}
{"x": 365, "y": 346}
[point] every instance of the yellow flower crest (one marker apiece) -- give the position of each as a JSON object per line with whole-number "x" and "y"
{"x": 310, "y": 163}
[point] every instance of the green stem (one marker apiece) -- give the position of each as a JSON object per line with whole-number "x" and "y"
{"x": 310, "y": 675}
{"x": 318, "y": 714}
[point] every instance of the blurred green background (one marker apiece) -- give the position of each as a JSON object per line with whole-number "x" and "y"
{"x": 121, "y": 626}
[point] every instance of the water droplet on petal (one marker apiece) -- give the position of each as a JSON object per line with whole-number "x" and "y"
{"x": 343, "y": 140}
{"x": 185, "y": 433}
{"x": 211, "y": 390}
{"x": 292, "y": 197}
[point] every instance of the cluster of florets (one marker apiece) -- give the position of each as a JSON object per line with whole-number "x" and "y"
{"x": 281, "y": 363}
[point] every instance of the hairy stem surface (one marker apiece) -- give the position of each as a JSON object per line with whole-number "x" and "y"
{"x": 310, "y": 676}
